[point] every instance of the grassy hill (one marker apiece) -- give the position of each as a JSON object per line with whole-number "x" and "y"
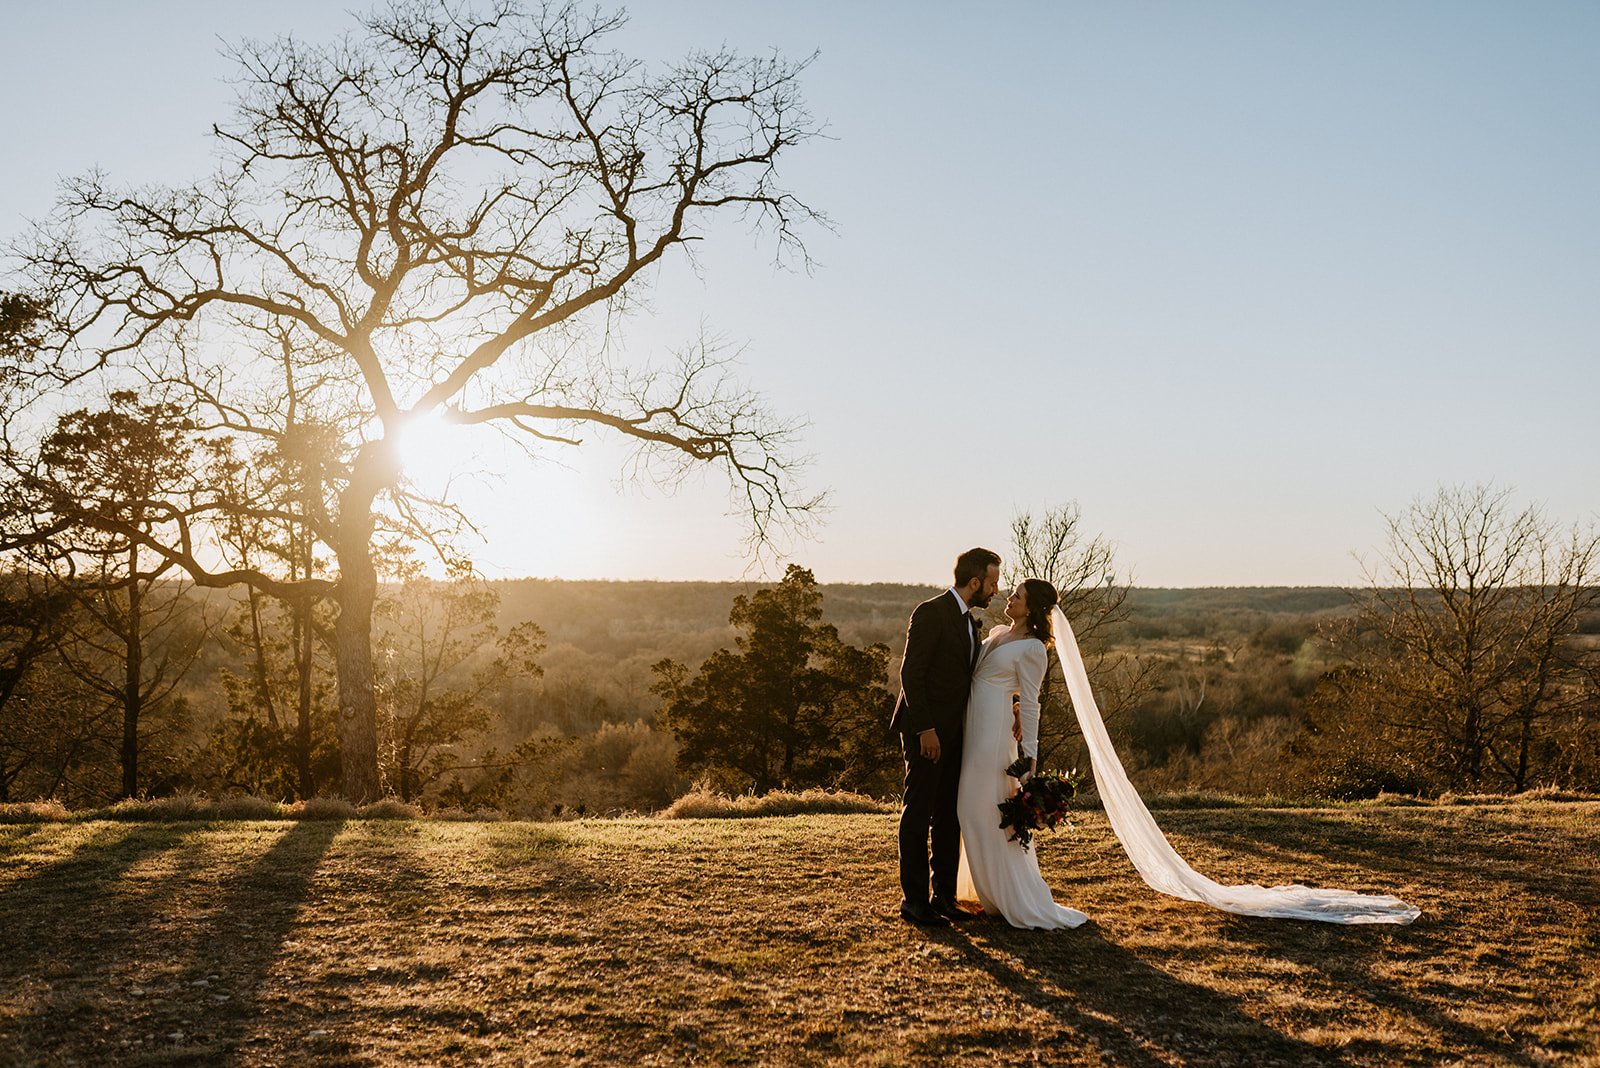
{"x": 775, "y": 941}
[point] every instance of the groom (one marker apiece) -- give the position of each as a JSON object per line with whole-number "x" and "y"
{"x": 930, "y": 716}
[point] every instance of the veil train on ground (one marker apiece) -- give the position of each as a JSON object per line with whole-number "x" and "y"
{"x": 1154, "y": 856}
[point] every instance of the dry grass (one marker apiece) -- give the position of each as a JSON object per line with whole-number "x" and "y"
{"x": 47, "y": 811}
{"x": 774, "y": 941}
{"x": 188, "y": 806}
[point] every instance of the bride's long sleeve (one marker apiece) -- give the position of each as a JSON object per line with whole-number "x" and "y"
{"x": 1030, "y": 677}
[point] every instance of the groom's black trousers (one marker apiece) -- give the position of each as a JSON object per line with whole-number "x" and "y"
{"x": 930, "y": 804}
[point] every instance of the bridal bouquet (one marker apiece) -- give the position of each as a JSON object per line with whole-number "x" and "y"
{"x": 1042, "y": 801}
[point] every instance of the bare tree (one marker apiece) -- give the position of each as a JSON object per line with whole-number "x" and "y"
{"x": 284, "y": 476}
{"x": 439, "y": 216}
{"x": 442, "y": 660}
{"x": 1461, "y": 654}
{"x": 1094, "y": 596}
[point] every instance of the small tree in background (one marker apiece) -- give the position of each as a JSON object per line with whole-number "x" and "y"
{"x": 441, "y": 659}
{"x": 53, "y": 729}
{"x": 280, "y": 741}
{"x": 791, "y": 706}
{"x": 94, "y": 496}
{"x": 1094, "y": 597}
{"x": 44, "y": 718}
{"x": 1461, "y": 667}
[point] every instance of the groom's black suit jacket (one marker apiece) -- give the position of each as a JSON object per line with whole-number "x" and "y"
{"x": 937, "y": 671}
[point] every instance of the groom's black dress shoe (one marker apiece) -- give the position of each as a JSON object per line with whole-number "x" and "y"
{"x": 920, "y": 912}
{"x": 947, "y": 907}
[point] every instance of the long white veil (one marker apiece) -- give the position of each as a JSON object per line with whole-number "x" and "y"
{"x": 1154, "y": 856}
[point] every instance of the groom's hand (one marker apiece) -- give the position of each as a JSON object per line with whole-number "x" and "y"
{"x": 929, "y": 741}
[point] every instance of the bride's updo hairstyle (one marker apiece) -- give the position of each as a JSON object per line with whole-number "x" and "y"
{"x": 1041, "y": 598}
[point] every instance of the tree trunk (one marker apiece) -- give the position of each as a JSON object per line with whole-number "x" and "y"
{"x": 303, "y": 651}
{"x": 8, "y": 687}
{"x": 788, "y": 749}
{"x": 1472, "y": 731}
{"x": 358, "y": 592}
{"x": 403, "y": 760}
{"x": 1524, "y": 743}
{"x": 301, "y": 565}
{"x": 259, "y": 643}
{"x": 134, "y": 665}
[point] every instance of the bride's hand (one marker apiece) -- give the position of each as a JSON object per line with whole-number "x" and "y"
{"x": 1016, "y": 726}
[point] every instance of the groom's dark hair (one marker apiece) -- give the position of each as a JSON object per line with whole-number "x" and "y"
{"x": 974, "y": 563}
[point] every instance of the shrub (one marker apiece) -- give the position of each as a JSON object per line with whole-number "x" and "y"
{"x": 1555, "y": 793}
{"x": 322, "y": 808}
{"x": 47, "y": 811}
{"x": 1384, "y": 797}
{"x": 245, "y": 807}
{"x": 193, "y": 806}
{"x": 705, "y": 804}
{"x": 1356, "y": 778}
{"x": 181, "y": 806}
{"x": 461, "y": 815}
{"x": 389, "y": 808}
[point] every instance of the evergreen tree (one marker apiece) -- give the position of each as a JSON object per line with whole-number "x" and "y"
{"x": 793, "y": 705}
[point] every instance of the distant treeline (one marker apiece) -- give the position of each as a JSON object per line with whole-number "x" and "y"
{"x": 622, "y": 617}
{"x": 1206, "y": 688}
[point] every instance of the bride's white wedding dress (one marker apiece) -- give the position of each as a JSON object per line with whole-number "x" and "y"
{"x": 995, "y": 871}
{"x": 1004, "y": 878}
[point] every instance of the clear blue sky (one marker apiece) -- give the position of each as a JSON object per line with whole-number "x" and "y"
{"x": 1236, "y": 277}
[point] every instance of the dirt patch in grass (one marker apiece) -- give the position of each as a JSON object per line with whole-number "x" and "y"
{"x": 776, "y": 941}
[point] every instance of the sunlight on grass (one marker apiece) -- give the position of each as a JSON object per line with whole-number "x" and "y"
{"x": 774, "y": 939}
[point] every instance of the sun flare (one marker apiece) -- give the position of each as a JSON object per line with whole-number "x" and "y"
{"x": 433, "y": 450}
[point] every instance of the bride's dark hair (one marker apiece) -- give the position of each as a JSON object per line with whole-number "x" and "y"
{"x": 1041, "y": 598}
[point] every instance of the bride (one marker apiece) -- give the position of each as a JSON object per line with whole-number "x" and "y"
{"x": 1003, "y": 877}
{"x": 995, "y": 872}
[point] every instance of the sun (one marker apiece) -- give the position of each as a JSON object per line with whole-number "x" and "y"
{"x": 433, "y": 451}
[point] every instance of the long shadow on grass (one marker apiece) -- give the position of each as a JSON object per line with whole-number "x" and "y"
{"x": 1135, "y": 1013}
{"x": 106, "y": 930}
{"x": 38, "y": 908}
{"x": 1345, "y": 959}
{"x": 15, "y": 840}
{"x": 1451, "y": 857}
{"x": 1356, "y": 961}
{"x": 248, "y": 925}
